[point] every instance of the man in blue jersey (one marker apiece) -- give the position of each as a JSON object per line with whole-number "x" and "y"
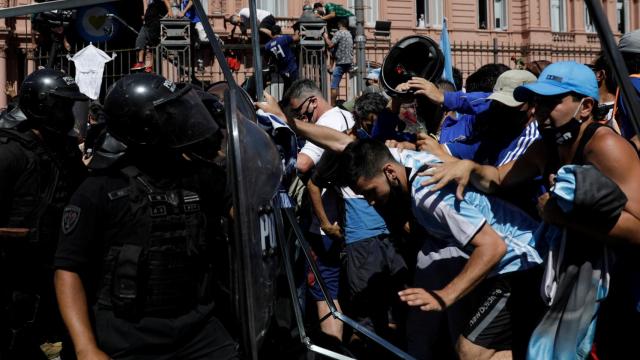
{"x": 280, "y": 48}
{"x": 497, "y": 237}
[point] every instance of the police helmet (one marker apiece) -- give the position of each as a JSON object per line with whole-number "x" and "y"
{"x": 147, "y": 109}
{"x": 414, "y": 55}
{"x": 47, "y": 97}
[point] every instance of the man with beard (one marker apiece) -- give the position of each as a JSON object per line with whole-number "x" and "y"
{"x": 497, "y": 238}
{"x": 40, "y": 166}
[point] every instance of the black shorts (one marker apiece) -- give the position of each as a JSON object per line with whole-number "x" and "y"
{"x": 375, "y": 273}
{"x": 508, "y": 308}
{"x": 370, "y": 257}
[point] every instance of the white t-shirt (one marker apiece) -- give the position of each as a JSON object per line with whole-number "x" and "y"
{"x": 339, "y": 120}
{"x": 335, "y": 118}
{"x": 245, "y": 14}
{"x": 89, "y": 68}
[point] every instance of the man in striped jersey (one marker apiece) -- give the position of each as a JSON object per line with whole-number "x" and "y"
{"x": 497, "y": 237}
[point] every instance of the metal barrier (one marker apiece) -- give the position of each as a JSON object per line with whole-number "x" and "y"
{"x": 467, "y": 57}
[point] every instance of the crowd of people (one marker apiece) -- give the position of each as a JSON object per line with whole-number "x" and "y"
{"x": 503, "y": 224}
{"x": 507, "y": 230}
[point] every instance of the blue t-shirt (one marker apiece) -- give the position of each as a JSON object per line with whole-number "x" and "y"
{"x": 493, "y": 152}
{"x": 466, "y": 103}
{"x": 457, "y": 222}
{"x": 456, "y": 130}
{"x": 191, "y": 13}
{"x": 362, "y": 221}
{"x": 457, "y": 134}
{"x": 285, "y": 60}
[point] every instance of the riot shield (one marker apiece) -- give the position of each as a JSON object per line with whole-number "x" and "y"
{"x": 255, "y": 172}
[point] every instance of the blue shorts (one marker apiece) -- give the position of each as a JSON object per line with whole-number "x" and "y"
{"x": 338, "y": 71}
{"x": 326, "y": 253}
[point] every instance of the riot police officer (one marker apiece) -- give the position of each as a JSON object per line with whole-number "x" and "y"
{"x": 134, "y": 264}
{"x": 40, "y": 167}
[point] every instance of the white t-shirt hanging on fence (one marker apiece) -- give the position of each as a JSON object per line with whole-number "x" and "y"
{"x": 89, "y": 68}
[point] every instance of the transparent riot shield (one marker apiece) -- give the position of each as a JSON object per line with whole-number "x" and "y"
{"x": 255, "y": 171}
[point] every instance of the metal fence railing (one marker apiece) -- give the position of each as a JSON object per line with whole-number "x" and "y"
{"x": 467, "y": 57}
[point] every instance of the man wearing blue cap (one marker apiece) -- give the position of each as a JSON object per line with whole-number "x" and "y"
{"x": 564, "y": 98}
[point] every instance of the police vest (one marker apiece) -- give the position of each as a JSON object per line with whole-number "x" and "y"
{"x": 39, "y": 193}
{"x": 159, "y": 271}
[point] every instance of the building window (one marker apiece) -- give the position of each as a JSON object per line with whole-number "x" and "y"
{"x": 558, "y": 16}
{"x": 622, "y": 15}
{"x": 371, "y": 10}
{"x": 277, "y": 7}
{"x": 482, "y": 14}
{"x": 589, "y": 26}
{"x": 500, "y": 14}
{"x": 429, "y": 12}
{"x": 497, "y": 13}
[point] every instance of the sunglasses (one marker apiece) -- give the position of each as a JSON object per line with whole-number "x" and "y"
{"x": 297, "y": 111}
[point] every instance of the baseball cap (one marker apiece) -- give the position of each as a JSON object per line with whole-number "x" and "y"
{"x": 373, "y": 74}
{"x": 561, "y": 78}
{"x": 630, "y": 42}
{"x": 507, "y": 83}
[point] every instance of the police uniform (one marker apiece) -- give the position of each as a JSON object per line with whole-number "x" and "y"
{"x": 143, "y": 246}
{"x": 141, "y": 233}
{"x": 38, "y": 173}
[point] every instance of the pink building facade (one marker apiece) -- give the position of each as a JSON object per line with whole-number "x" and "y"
{"x": 552, "y": 24}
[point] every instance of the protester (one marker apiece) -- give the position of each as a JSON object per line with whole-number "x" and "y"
{"x": 564, "y": 99}
{"x": 342, "y": 44}
{"x": 265, "y": 21}
{"x": 286, "y": 62}
{"x": 503, "y": 267}
{"x": 149, "y": 35}
{"x": 187, "y": 10}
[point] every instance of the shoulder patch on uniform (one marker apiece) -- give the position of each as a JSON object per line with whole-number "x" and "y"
{"x": 70, "y": 218}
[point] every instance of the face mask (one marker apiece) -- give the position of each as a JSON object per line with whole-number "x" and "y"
{"x": 567, "y": 133}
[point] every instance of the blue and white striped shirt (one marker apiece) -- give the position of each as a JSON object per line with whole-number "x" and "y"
{"x": 458, "y": 221}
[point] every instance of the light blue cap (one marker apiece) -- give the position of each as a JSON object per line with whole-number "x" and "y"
{"x": 561, "y": 78}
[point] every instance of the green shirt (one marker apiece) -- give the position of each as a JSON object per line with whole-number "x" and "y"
{"x": 338, "y": 9}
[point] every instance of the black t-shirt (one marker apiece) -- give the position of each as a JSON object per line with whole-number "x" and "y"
{"x": 156, "y": 9}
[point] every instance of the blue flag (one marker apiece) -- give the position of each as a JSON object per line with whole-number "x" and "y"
{"x": 445, "y": 46}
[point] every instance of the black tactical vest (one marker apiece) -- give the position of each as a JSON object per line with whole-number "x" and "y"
{"x": 160, "y": 270}
{"x": 41, "y": 192}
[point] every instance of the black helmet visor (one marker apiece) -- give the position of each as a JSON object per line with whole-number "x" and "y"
{"x": 184, "y": 118}
{"x": 70, "y": 93}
